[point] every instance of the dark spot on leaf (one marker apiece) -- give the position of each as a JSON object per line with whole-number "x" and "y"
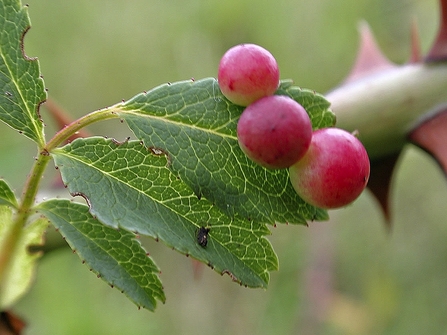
{"x": 202, "y": 236}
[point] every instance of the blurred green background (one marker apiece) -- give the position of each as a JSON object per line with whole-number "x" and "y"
{"x": 345, "y": 276}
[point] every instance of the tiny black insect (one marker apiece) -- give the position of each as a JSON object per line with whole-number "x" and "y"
{"x": 202, "y": 236}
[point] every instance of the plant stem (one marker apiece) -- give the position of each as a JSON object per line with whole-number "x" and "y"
{"x": 23, "y": 212}
{"x": 33, "y": 181}
{"x": 75, "y": 126}
{"x": 385, "y": 105}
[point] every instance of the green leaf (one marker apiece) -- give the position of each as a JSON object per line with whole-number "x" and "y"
{"x": 114, "y": 255}
{"x": 194, "y": 123}
{"x": 7, "y": 196}
{"x": 21, "y": 87}
{"x": 129, "y": 186}
{"x": 20, "y": 271}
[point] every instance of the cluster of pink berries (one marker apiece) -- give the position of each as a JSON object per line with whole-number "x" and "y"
{"x": 329, "y": 167}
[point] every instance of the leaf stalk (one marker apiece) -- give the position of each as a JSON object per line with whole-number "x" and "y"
{"x": 33, "y": 181}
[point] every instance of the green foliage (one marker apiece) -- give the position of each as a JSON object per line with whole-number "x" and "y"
{"x": 196, "y": 126}
{"x": 128, "y": 186}
{"x": 190, "y": 150}
{"x": 21, "y": 87}
{"x": 173, "y": 40}
{"x": 7, "y": 197}
{"x": 185, "y": 171}
{"x": 114, "y": 255}
{"x": 22, "y": 263}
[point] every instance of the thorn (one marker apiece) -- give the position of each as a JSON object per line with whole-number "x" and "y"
{"x": 380, "y": 183}
{"x": 416, "y": 54}
{"x": 11, "y": 323}
{"x": 438, "y": 51}
{"x": 430, "y": 135}
{"x": 370, "y": 58}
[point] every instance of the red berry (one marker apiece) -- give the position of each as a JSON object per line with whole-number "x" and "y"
{"x": 334, "y": 171}
{"x": 274, "y": 131}
{"x": 247, "y": 72}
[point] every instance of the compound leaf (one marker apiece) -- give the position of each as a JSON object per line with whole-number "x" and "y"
{"x": 130, "y": 186}
{"x": 196, "y": 126}
{"x": 114, "y": 255}
{"x": 21, "y": 87}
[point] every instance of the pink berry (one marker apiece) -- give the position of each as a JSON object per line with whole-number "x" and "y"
{"x": 334, "y": 171}
{"x": 274, "y": 131}
{"x": 247, "y": 72}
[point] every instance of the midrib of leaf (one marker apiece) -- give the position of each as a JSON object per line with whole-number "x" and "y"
{"x": 16, "y": 65}
{"x": 194, "y": 124}
{"x": 111, "y": 176}
{"x": 215, "y": 131}
{"x": 174, "y": 222}
{"x": 13, "y": 79}
{"x": 136, "y": 276}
